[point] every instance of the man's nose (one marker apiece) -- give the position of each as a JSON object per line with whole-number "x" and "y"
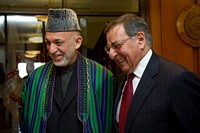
{"x": 52, "y": 48}
{"x": 112, "y": 53}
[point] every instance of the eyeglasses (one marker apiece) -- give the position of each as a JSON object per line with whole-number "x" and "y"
{"x": 117, "y": 45}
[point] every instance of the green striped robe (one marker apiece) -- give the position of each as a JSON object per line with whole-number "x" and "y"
{"x": 95, "y": 97}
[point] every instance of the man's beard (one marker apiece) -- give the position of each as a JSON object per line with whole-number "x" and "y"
{"x": 67, "y": 58}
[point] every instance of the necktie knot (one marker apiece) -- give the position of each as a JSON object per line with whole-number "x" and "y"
{"x": 130, "y": 77}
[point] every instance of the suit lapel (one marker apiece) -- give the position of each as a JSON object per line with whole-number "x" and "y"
{"x": 71, "y": 91}
{"x": 144, "y": 88}
{"x": 70, "y": 94}
{"x": 142, "y": 92}
{"x": 57, "y": 91}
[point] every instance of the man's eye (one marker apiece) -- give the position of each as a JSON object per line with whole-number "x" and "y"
{"x": 59, "y": 43}
{"x": 116, "y": 45}
{"x": 108, "y": 49}
{"x": 47, "y": 43}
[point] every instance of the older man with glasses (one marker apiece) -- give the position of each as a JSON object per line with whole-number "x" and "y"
{"x": 160, "y": 96}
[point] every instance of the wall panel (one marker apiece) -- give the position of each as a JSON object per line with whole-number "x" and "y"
{"x": 167, "y": 41}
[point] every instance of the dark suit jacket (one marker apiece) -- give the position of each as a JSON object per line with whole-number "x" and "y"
{"x": 64, "y": 112}
{"x": 167, "y": 100}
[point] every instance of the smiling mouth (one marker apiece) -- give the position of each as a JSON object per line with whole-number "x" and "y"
{"x": 56, "y": 57}
{"x": 120, "y": 61}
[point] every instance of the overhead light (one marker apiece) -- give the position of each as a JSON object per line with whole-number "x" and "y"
{"x": 37, "y": 38}
{"x": 20, "y": 18}
{"x": 41, "y": 17}
{"x": 33, "y": 52}
{"x": 30, "y": 55}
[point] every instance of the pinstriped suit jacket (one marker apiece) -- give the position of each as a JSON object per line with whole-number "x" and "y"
{"x": 167, "y": 100}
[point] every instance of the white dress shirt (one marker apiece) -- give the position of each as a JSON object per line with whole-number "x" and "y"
{"x": 139, "y": 70}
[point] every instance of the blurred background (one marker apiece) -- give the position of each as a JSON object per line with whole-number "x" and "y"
{"x": 174, "y": 26}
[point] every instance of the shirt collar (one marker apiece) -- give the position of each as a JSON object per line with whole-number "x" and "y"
{"x": 143, "y": 64}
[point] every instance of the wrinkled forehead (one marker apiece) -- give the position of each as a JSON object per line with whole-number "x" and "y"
{"x": 116, "y": 32}
{"x": 59, "y": 35}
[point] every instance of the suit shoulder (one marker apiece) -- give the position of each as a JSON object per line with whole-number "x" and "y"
{"x": 170, "y": 65}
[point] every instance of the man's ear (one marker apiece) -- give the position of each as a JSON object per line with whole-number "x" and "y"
{"x": 78, "y": 41}
{"x": 141, "y": 39}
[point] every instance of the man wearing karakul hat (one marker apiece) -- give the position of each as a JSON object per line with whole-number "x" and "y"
{"x": 71, "y": 93}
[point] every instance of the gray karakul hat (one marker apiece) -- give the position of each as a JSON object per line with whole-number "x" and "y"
{"x": 62, "y": 20}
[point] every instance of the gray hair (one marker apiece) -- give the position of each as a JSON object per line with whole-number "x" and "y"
{"x": 132, "y": 25}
